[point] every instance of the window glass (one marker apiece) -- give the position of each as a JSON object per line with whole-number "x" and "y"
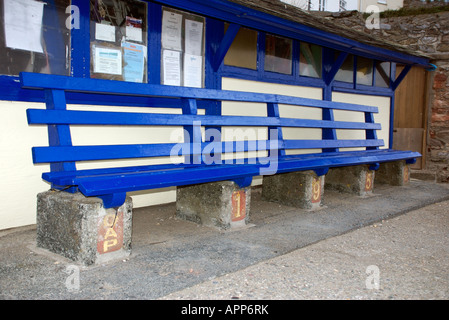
{"x": 118, "y": 40}
{"x": 278, "y": 54}
{"x": 382, "y": 74}
{"x": 310, "y": 60}
{"x": 34, "y": 37}
{"x": 182, "y": 57}
{"x": 243, "y": 51}
{"x": 364, "y": 71}
{"x": 346, "y": 72}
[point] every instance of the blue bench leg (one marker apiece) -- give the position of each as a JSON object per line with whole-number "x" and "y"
{"x": 223, "y": 205}
{"x": 302, "y": 189}
{"x": 113, "y": 200}
{"x": 358, "y": 180}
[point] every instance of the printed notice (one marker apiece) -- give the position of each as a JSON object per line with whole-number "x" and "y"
{"x": 134, "y": 59}
{"x": 104, "y": 32}
{"x": 172, "y": 67}
{"x": 194, "y": 37}
{"x": 171, "y": 30}
{"x": 193, "y": 70}
{"x": 108, "y": 61}
{"x": 133, "y": 29}
{"x": 23, "y": 24}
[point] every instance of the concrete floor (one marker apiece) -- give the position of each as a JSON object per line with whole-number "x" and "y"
{"x": 397, "y": 239}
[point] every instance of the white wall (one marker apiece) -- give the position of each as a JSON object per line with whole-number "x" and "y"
{"x": 383, "y": 117}
{"x": 21, "y": 179}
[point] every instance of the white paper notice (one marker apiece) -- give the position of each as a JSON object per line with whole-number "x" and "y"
{"x": 194, "y": 37}
{"x": 104, "y": 32}
{"x": 193, "y": 70}
{"x": 23, "y": 24}
{"x": 134, "y": 29}
{"x": 108, "y": 61}
{"x": 171, "y": 30}
{"x": 172, "y": 67}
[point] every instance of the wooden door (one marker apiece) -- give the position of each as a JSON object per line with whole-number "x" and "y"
{"x": 410, "y": 113}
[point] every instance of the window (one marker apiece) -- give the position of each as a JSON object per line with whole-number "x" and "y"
{"x": 34, "y": 37}
{"x": 310, "y": 60}
{"x": 278, "y": 54}
{"x": 243, "y": 51}
{"x": 346, "y": 72}
{"x": 182, "y": 56}
{"x": 364, "y": 71}
{"x": 118, "y": 45}
{"x": 382, "y": 74}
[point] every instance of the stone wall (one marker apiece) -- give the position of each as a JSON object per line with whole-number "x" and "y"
{"x": 420, "y": 4}
{"x": 429, "y": 34}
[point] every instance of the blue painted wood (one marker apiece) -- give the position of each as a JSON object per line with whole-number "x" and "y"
{"x": 275, "y": 133}
{"x": 88, "y": 153}
{"x": 80, "y": 38}
{"x": 370, "y": 134}
{"x": 225, "y": 44}
{"x": 58, "y": 135}
{"x": 203, "y": 159}
{"x": 113, "y": 200}
{"x": 37, "y": 116}
{"x": 400, "y": 77}
{"x": 43, "y": 81}
{"x": 113, "y": 183}
{"x": 330, "y": 69}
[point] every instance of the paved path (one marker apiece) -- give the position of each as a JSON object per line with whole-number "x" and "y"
{"x": 406, "y": 257}
{"x": 399, "y": 236}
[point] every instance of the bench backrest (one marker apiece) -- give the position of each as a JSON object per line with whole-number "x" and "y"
{"x": 62, "y": 154}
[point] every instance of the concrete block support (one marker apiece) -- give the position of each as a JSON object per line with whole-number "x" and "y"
{"x": 223, "y": 205}
{"x": 81, "y": 229}
{"x": 298, "y": 189}
{"x": 395, "y": 173}
{"x": 357, "y": 180}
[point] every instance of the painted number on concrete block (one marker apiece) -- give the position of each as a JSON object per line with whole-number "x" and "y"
{"x": 369, "y": 181}
{"x": 406, "y": 174}
{"x": 316, "y": 190}
{"x": 238, "y": 205}
{"x": 110, "y": 232}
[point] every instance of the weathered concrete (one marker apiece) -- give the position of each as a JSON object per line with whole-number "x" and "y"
{"x": 394, "y": 173}
{"x": 357, "y": 180}
{"x": 298, "y": 189}
{"x": 81, "y": 229}
{"x": 222, "y": 205}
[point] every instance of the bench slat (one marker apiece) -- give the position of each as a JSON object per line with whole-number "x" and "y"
{"x": 70, "y": 117}
{"x": 110, "y": 152}
{"x": 98, "y": 86}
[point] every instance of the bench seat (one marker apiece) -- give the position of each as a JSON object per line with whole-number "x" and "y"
{"x": 118, "y": 181}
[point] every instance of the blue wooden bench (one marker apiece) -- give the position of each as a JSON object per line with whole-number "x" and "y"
{"x": 112, "y": 184}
